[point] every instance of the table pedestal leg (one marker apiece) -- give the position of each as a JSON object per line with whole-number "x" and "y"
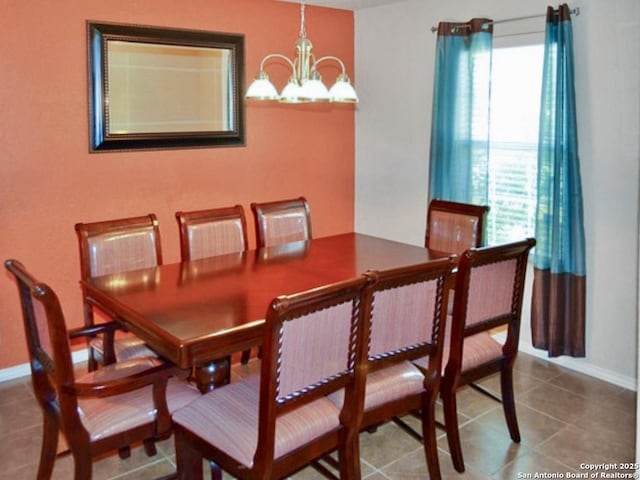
{"x": 211, "y": 375}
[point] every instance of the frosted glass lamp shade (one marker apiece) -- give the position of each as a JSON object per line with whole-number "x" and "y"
{"x": 261, "y": 89}
{"x": 342, "y": 91}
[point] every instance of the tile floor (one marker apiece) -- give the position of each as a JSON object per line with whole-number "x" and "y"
{"x": 565, "y": 419}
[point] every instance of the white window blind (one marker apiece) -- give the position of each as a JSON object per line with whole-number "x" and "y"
{"x": 516, "y": 82}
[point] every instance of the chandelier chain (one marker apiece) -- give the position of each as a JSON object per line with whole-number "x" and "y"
{"x": 303, "y": 31}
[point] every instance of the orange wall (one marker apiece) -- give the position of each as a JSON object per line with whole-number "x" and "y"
{"x": 49, "y": 181}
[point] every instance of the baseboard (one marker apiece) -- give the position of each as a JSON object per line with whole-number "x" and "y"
{"x": 23, "y": 370}
{"x": 580, "y": 365}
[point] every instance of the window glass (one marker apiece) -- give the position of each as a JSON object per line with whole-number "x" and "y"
{"x": 516, "y": 80}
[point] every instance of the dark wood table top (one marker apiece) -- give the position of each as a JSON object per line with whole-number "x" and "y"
{"x": 195, "y": 312}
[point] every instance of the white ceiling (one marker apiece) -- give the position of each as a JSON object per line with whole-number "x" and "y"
{"x": 346, "y": 4}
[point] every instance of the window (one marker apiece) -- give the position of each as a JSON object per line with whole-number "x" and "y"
{"x": 516, "y": 82}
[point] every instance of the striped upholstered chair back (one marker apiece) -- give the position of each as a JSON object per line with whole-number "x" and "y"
{"x": 281, "y": 221}
{"x": 408, "y": 312}
{"x": 271, "y": 425}
{"x": 453, "y": 227}
{"x": 98, "y": 412}
{"x": 111, "y": 247}
{"x": 207, "y": 233}
{"x": 488, "y": 295}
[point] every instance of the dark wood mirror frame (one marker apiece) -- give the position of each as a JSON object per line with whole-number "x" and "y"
{"x": 175, "y": 115}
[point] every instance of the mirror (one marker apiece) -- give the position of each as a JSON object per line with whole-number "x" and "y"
{"x": 154, "y": 87}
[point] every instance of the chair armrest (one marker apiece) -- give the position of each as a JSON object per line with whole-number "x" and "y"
{"x": 157, "y": 375}
{"x": 93, "y": 330}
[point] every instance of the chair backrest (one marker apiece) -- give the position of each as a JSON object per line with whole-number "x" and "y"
{"x": 311, "y": 348}
{"x": 281, "y": 221}
{"x": 207, "y": 233}
{"x": 115, "y": 246}
{"x": 488, "y": 294}
{"x": 47, "y": 343}
{"x": 454, "y": 227}
{"x": 408, "y": 312}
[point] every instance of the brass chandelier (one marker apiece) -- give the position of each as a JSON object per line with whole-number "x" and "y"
{"x": 305, "y": 84}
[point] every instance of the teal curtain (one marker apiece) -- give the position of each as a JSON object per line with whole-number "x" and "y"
{"x": 558, "y": 304}
{"x": 460, "y": 119}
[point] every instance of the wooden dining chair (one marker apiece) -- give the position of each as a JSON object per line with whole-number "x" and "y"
{"x": 488, "y": 295}
{"x": 270, "y": 425}
{"x": 102, "y": 411}
{"x": 109, "y": 247}
{"x": 281, "y": 221}
{"x": 453, "y": 227}
{"x": 408, "y": 314}
{"x": 212, "y": 232}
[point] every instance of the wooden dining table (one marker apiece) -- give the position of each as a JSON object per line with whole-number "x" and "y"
{"x": 198, "y": 313}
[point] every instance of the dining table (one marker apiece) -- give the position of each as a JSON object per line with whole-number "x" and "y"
{"x": 197, "y": 313}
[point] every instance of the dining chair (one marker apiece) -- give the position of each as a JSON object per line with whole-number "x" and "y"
{"x": 488, "y": 295}
{"x": 110, "y": 247}
{"x": 453, "y": 227}
{"x": 211, "y": 232}
{"x": 104, "y": 410}
{"x": 408, "y": 314}
{"x": 273, "y": 424}
{"x": 281, "y": 221}
{"x": 207, "y": 233}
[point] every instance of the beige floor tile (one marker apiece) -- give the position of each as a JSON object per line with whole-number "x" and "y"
{"x": 522, "y": 382}
{"x": 484, "y": 449}
{"x": 386, "y": 445}
{"x": 556, "y": 402}
{"x": 530, "y": 464}
{"x": 574, "y": 446}
{"x": 19, "y": 414}
{"x": 535, "y": 427}
{"x": 537, "y": 368}
{"x": 565, "y": 418}
{"x": 586, "y": 386}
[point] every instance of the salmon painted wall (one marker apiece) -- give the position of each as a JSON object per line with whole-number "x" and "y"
{"x": 49, "y": 181}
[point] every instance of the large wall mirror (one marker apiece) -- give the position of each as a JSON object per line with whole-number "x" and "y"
{"x": 164, "y": 88}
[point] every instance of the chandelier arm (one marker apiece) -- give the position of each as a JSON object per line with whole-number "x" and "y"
{"x": 277, "y": 55}
{"x": 329, "y": 57}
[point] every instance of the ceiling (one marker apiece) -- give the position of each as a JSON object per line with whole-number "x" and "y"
{"x": 346, "y": 4}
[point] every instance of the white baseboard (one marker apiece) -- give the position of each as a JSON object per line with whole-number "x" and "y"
{"x": 24, "y": 370}
{"x": 580, "y": 365}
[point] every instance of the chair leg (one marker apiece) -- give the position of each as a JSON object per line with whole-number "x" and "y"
{"x": 246, "y": 354}
{"x": 150, "y": 447}
{"x": 451, "y": 421}
{"x": 216, "y": 472}
{"x": 92, "y": 362}
{"x": 508, "y": 402}
{"x": 124, "y": 452}
{"x": 49, "y": 447}
{"x": 83, "y": 466}
{"x": 349, "y": 457}
{"x": 188, "y": 458}
{"x": 429, "y": 438}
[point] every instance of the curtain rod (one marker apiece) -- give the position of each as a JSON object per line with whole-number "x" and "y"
{"x": 573, "y": 11}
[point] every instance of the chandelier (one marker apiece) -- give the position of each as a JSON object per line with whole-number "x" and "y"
{"x": 305, "y": 84}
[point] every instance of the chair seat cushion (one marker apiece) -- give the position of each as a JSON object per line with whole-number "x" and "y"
{"x": 227, "y": 418}
{"x": 478, "y": 349}
{"x": 387, "y": 385}
{"x": 392, "y": 383}
{"x": 125, "y": 345}
{"x": 105, "y": 416}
